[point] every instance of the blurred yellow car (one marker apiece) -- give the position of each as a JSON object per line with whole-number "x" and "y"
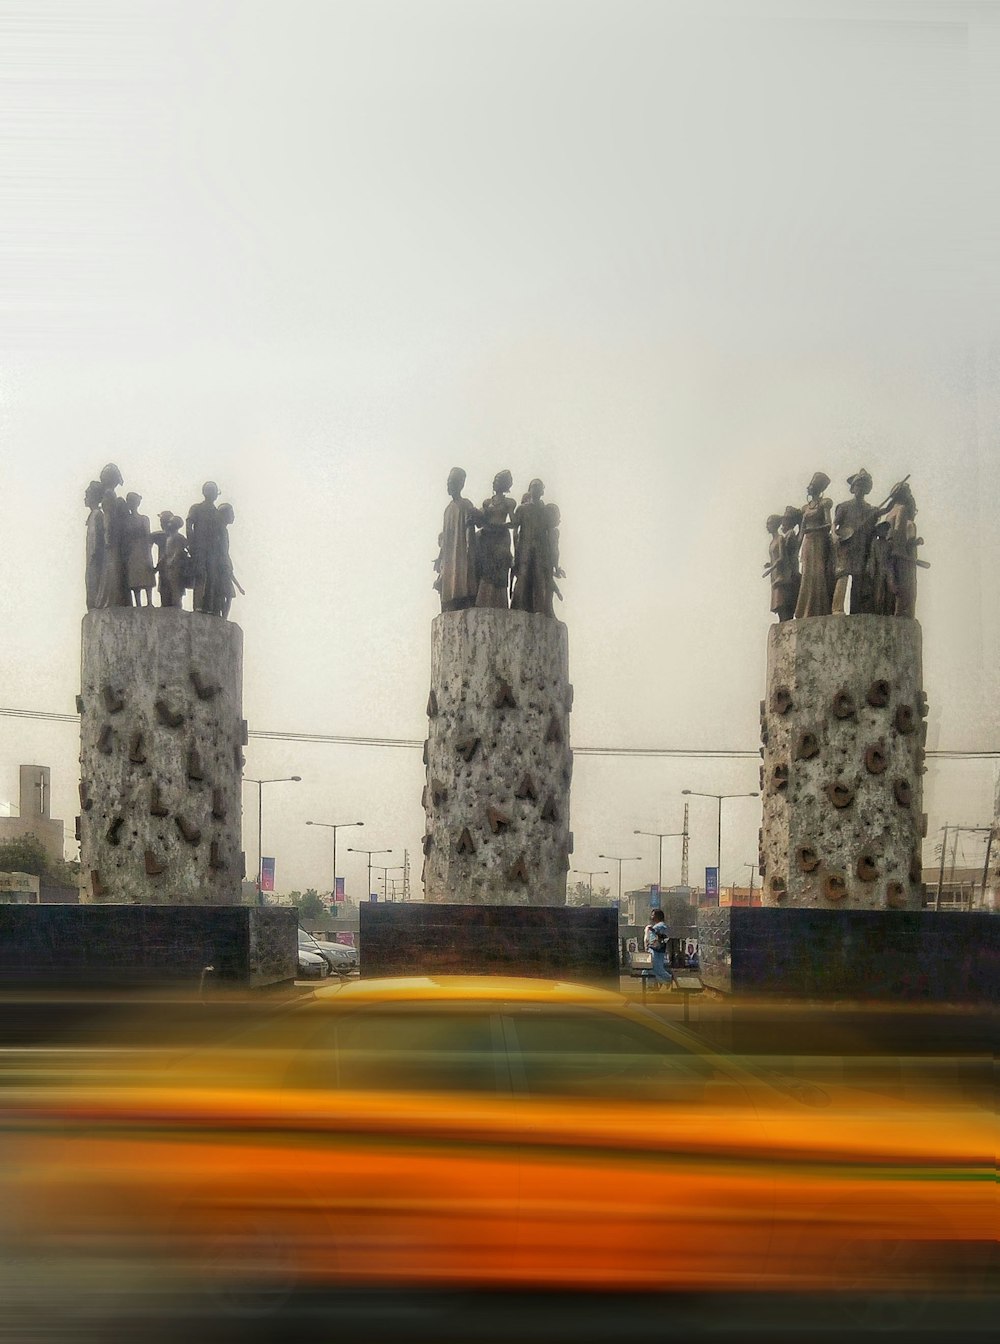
{"x": 486, "y": 1132}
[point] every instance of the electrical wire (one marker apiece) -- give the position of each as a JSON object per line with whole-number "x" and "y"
{"x": 415, "y": 744}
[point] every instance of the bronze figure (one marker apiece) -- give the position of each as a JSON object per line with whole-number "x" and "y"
{"x": 816, "y": 555}
{"x": 534, "y": 564}
{"x": 139, "y": 575}
{"x": 783, "y": 561}
{"x": 112, "y": 589}
{"x": 854, "y": 524}
{"x": 493, "y": 545}
{"x": 92, "y": 497}
{"x": 203, "y": 540}
{"x": 458, "y": 573}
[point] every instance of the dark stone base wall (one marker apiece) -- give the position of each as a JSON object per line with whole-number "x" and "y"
{"x": 559, "y": 943}
{"x": 905, "y": 955}
{"x": 109, "y": 946}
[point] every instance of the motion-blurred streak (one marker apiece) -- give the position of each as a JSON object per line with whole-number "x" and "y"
{"x": 471, "y": 1133}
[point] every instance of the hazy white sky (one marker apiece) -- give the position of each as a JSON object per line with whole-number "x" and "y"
{"x": 672, "y": 258}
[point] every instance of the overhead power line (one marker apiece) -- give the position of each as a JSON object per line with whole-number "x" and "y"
{"x": 415, "y": 744}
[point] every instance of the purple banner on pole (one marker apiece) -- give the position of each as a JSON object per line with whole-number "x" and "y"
{"x": 339, "y": 895}
{"x": 711, "y": 882}
{"x": 267, "y": 874}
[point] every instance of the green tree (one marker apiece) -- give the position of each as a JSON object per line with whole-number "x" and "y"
{"x": 310, "y": 905}
{"x": 25, "y": 854}
{"x": 578, "y": 893}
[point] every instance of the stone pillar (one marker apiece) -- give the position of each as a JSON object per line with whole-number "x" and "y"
{"x": 498, "y": 759}
{"x": 161, "y": 758}
{"x": 843, "y": 727}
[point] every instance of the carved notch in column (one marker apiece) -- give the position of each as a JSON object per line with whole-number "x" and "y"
{"x": 157, "y": 807}
{"x": 188, "y": 829}
{"x": 205, "y": 690}
{"x": 518, "y": 872}
{"x": 154, "y": 866}
{"x": 114, "y": 699}
{"x": 170, "y": 718}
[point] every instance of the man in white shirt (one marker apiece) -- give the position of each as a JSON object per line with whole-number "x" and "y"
{"x": 654, "y": 940}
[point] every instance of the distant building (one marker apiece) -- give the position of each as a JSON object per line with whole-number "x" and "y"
{"x": 636, "y": 905}
{"x": 730, "y": 896}
{"x": 18, "y": 889}
{"x": 961, "y": 888}
{"x": 35, "y": 817}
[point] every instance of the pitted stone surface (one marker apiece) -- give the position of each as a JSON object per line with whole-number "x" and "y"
{"x": 499, "y": 679}
{"x": 849, "y": 687}
{"x": 161, "y": 825}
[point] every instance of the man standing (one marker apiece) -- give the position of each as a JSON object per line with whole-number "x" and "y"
{"x": 204, "y": 539}
{"x": 853, "y": 530}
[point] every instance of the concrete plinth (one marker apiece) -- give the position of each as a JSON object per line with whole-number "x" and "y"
{"x": 498, "y": 760}
{"x": 161, "y": 758}
{"x": 843, "y": 727}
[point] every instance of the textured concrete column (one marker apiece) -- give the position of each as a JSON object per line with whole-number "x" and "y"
{"x": 161, "y": 757}
{"x": 498, "y": 760}
{"x": 843, "y": 727}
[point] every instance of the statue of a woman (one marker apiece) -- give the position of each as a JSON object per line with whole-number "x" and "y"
{"x": 139, "y": 575}
{"x": 783, "y": 562}
{"x": 174, "y": 563}
{"x": 816, "y": 556}
{"x": 95, "y": 542}
{"x": 457, "y": 567}
{"x": 112, "y": 590}
{"x": 493, "y": 545}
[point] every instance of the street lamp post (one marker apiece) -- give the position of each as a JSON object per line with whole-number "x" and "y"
{"x": 351, "y": 850}
{"x": 335, "y": 826}
{"x": 385, "y": 870}
{"x": 284, "y": 779}
{"x": 590, "y": 874}
{"x": 661, "y": 836}
{"x": 620, "y": 859}
{"x": 720, "y": 798}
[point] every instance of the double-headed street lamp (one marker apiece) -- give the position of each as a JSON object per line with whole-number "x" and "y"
{"x": 720, "y": 798}
{"x": 385, "y": 870}
{"x": 590, "y": 874}
{"x": 335, "y": 826}
{"x": 284, "y": 779}
{"x": 369, "y": 852}
{"x": 661, "y": 836}
{"x": 620, "y": 859}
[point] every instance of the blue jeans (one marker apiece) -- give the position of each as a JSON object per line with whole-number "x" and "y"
{"x": 663, "y": 976}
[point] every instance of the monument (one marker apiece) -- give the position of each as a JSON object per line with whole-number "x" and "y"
{"x": 161, "y": 726}
{"x": 843, "y": 724}
{"x": 843, "y": 728}
{"x": 497, "y": 755}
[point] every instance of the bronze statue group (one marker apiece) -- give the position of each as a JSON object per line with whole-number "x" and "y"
{"x": 120, "y": 568}
{"x": 476, "y": 566}
{"x": 818, "y": 553}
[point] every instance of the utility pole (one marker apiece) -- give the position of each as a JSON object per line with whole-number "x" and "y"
{"x": 753, "y": 869}
{"x": 986, "y": 865}
{"x": 944, "y": 850}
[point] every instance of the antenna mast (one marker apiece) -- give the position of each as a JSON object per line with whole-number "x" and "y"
{"x": 684, "y": 850}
